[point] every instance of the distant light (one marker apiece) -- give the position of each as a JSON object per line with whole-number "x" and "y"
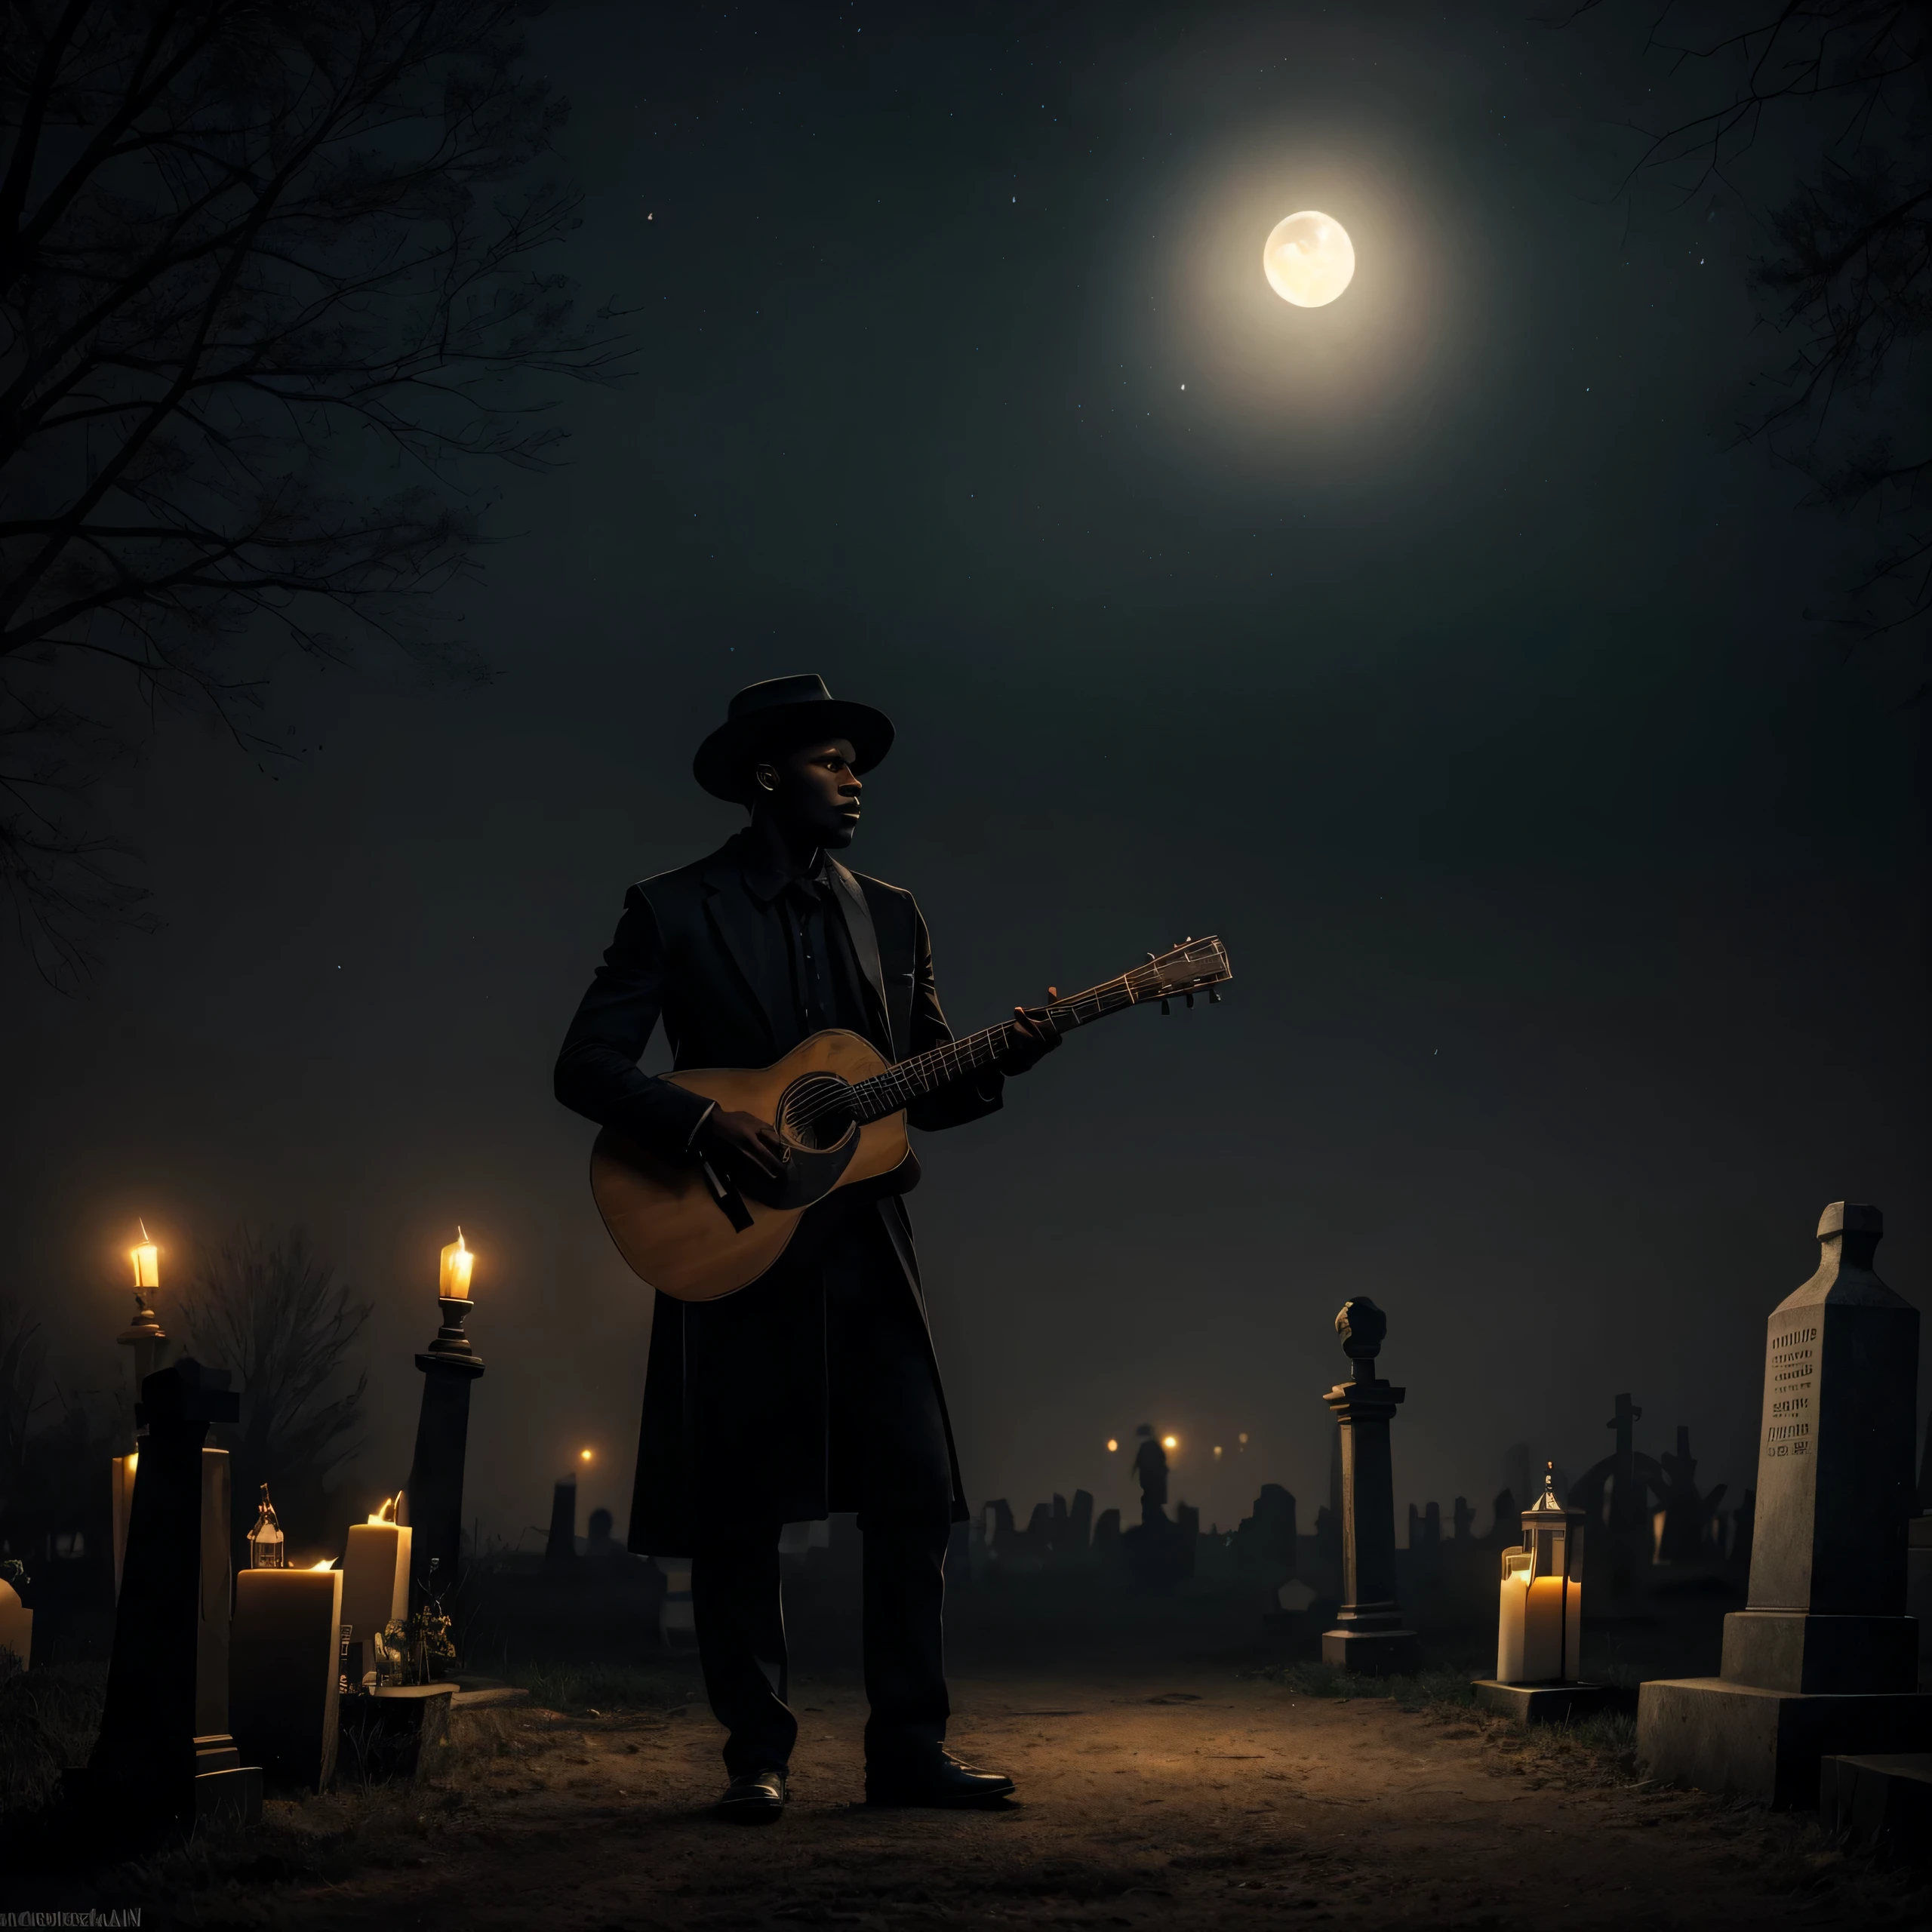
{"x": 1217, "y": 1448}
{"x": 1111, "y": 1445}
{"x": 1170, "y": 1442}
{"x": 584, "y": 1455}
{"x": 1244, "y": 1438}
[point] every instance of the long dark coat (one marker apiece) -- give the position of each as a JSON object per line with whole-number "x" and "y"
{"x": 734, "y": 1428}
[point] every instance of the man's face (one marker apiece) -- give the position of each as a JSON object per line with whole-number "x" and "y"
{"x": 813, "y": 791}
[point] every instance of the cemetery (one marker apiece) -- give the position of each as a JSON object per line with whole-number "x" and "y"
{"x": 1343, "y": 1713}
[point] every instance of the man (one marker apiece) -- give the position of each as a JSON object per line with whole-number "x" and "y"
{"x": 815, "y": 1389}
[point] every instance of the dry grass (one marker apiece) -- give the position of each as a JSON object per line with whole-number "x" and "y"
{"x": 48, "y": 1718}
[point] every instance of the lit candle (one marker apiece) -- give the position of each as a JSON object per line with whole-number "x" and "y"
{"x": 146, "y": 1258}
{"x": 16, "y": 1625}
{"x": 1540, "y": 1626}
{"x": 456, "y": 1262}
{"x": 375, "y": 1575}
{"x": 282, "y": 1671}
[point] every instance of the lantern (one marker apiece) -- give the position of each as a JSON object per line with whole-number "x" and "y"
{"x": 1540, "y": 1630}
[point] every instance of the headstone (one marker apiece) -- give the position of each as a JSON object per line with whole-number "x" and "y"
{"x": 560, "y": 1546}
{"x": 164, "y": 1753}
{"x": 1684, "y": 1533}
{"x": 1464, "y": 1521}
{"x": 1824, "y": 1659}
{"x": 1369, "y": 1635}
{"x": 1080, "y": 1525}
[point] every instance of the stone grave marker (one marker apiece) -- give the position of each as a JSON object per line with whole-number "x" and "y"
{"x": 1823, "y": 1660}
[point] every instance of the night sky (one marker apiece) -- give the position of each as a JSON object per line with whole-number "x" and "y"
{"x": 1434, "y": 648}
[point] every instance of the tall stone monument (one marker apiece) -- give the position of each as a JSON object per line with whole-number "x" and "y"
{"x": 1824, "y": 1659}
{"x": 164, "y": 1754}
{"x": 1369, "y": 1635}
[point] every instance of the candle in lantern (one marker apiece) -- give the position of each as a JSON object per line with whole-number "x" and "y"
{"x": 146, "y": 1258}
{"x": 457, "y": 1260}
{"x": 375, "y": 1574}
{"x": 1540, "y": 1624}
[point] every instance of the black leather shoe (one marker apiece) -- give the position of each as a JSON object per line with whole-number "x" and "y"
{"x": 754, "y": 1797}
{"x": 941, "y": 1779}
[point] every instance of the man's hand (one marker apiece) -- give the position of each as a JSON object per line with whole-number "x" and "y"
{"x": 742, "y": 1146}
{"x": 1029, "y": 1039}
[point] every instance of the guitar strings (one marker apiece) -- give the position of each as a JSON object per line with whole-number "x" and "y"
{"x": 954, "y": 1057}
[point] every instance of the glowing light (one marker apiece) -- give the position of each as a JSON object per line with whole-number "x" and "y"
{"x": 457, "y": 1261}
{"x": 1244, "y": 1438}
{"x": 146, "y": 1258}
{"x": 1217, "y": 1449}
{"x": 1111, "y": 1445}
{"x": 1170, "y": 1442}
{"x": 584, "y": 1455}
{"x": 1308, "y": 259}
{"x": 387, "y": 1513}
{"x": 327, "y": 1563}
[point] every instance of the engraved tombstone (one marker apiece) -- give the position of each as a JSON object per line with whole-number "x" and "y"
{"x": 1823, "y": 1659}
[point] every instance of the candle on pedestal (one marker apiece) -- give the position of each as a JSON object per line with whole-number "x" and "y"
{"x": 284, "y": 1662}
{"x": 375, "y": 1575}
{"x": 457, "y": 1261}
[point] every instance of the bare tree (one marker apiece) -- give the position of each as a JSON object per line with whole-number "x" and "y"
{"x": 1844, "y": 86}
{"x": 266, "y": 1306}
{"x": 268, "y": 316}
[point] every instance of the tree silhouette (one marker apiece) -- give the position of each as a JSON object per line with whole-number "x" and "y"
{"x": 1845, "y": 85}
{"x": 266, "y": 1306}
{"x": 268, "y": 313}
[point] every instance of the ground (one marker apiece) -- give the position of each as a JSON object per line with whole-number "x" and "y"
{"x": 1192, "y": 1797}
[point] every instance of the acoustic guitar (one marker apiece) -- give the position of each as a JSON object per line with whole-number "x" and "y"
{"x": 840, "y": 1108}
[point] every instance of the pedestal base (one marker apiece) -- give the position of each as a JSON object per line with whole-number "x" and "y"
{"x": 392, "y": 1733}
{"x": 1881, "y": 1803}
{"x": 1791, "y": 1650}
{"x": 1543, "y": 1704}
{"x": 1370, "y": 1652}
{"x": 1722, "y": 1736}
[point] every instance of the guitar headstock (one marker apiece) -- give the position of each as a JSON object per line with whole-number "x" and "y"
{"x": 1195, "y": 965}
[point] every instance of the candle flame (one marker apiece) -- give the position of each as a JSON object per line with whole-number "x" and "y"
{"x": 1170, "y": 1442}
{"x": 327, "y": 1563}
{"x": 1112, "y": 1444}
{"x": 387, "y": 1514}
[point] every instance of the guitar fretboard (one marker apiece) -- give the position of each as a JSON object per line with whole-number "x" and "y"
{"x": 901, "y": 1084}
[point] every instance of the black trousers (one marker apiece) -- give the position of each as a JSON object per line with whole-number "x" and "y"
{"x": 888, "y": 1461}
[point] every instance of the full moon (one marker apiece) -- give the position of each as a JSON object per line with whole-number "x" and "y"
{"x": 1309, "y": 259}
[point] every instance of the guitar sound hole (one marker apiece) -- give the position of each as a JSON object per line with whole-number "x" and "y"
{"x": 816, "y": 1111}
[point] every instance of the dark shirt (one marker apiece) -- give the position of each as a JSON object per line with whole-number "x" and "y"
{"x": 827, "y": 988}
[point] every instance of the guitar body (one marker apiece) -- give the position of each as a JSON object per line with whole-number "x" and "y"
{"x": 670, "y": 1226}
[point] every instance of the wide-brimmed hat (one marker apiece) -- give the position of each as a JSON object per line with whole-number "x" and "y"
{"x": 763, "y": 716}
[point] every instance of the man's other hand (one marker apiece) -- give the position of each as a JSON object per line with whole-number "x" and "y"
{"x": 1029, "y": 1039}
{"x": 743, "y": 1145}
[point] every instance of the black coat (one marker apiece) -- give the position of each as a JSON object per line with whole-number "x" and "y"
{"x": 734, "y": 1428}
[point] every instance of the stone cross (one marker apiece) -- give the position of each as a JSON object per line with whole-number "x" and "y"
{"x": 1369, "y": 1635}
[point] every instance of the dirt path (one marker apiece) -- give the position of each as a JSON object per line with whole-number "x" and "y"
{"x": 1197, "y": 1799}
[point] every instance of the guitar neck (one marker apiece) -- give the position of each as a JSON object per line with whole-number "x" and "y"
{"x": 901, "y": 1084}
